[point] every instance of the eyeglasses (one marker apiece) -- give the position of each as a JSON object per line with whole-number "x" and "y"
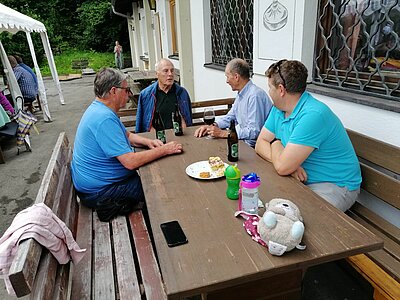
{"x": 127, "y": 89}
{"x": 278, "y": 68}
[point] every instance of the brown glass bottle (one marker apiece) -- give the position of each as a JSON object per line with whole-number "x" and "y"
{"x": 233, "y": 143}
{"x": 159, "y": 127}
{"x": 177, "y": 121}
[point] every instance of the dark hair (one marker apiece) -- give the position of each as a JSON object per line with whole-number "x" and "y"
{"x": 105, "y": 79}
{"x": 292, "y": 74}
{"x": 12, "y": 60}
{"x": 239, "y": 66}
{"x": 18, "y": 58}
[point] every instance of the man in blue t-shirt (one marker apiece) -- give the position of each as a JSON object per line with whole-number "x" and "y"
{"x": 104, "y": 164}
{"x": 302, "y": 137}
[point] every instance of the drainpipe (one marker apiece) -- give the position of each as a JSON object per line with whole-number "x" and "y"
{"x": 130, "y": 21}
{"x": 120, "y": 14}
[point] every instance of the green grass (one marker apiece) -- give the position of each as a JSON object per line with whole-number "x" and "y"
{"x": 64, "y": 61}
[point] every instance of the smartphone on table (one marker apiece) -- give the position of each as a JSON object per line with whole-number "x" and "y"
{"x": 173, "y": 233}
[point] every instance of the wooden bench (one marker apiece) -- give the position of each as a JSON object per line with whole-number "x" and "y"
{"x": 119, "y": 263}
{"x": 80, "y": 64}
{"x": 380, "y": 167}
{"x": 221, "y": 107}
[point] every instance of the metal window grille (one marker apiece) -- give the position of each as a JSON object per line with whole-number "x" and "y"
{"x": 231, "y": 30}
{"x": 357, "y": 46}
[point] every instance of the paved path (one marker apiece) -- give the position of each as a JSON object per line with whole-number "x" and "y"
{"x": 21, "y": 175}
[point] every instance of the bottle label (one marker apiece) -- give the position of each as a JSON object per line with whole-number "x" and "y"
{"x": 234, "y": 150}
{"x": 161, "y": 136}
{"x": 176, "y": 127}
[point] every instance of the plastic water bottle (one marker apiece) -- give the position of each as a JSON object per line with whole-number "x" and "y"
{"x": 232, "y": 174}
{"x": 248, "y": 194}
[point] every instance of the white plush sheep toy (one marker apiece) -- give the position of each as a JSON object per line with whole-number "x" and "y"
{"x": 281, "y": 226}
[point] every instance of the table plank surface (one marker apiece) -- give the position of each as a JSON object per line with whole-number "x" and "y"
{"x": 220, "y": 254}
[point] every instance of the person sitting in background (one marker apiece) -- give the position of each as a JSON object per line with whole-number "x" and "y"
{"x": 6, "y": 104}
{"x": 250, "y": 109}
{"x": 302, "y": 137}
{"x": 162, "y": 96}
{"x": 26, "y": 82}
{"x": 104, "y": 164}
{"x": 26, "y": 67}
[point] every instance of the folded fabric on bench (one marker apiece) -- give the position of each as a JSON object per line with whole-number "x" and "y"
{"x": 40, "y": 223}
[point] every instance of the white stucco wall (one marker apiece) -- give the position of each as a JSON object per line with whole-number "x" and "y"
{"x": 210, "y": 84}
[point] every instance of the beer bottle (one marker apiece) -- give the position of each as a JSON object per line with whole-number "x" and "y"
{"x": 159, "y": 127}
{"x": 177, "y": 121}
{"x": 233, "y": 143}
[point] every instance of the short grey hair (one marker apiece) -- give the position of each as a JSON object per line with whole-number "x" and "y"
{"x": 105, "y": 79}
{"x": 161, "y": 61}
{"x": 239, "y": 66}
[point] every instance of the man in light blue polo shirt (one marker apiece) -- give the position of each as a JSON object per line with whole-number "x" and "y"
{"x": 302, "y": 137}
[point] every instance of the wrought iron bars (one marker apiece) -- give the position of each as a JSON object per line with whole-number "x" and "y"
{"x": 357, "y": 46}
{"x": 231, "y": 30}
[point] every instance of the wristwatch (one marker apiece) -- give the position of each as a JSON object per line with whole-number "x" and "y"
{"x": 274, "y": 140}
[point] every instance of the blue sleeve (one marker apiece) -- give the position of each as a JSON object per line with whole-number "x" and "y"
{"x": 139, "y": 113}
{"x": 307, "y": 130}
{"x": 112, "y": 138}
{"x": 225, "y": 121}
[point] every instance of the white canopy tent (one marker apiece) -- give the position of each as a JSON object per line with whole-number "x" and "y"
{"x": 13, "y": 21}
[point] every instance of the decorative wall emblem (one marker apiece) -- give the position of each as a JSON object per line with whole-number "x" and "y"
{"x": 275, "y": 16}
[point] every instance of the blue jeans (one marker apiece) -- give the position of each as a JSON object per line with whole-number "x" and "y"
{"x": 116, "y": 199}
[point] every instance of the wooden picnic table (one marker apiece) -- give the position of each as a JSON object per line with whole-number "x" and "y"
{"x": 144, "y": 78}
{"x": 221, "y": 261}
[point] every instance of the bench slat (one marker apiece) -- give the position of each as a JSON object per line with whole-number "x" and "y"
{"x": 45, "y": 277}
{"x": 128, "y": 286}
{"x": 215, "y": 102}
{"x": 372, "y": 150}
{"x": 82, "y": 272}
{"x": 388, "y": 258}
{"x": 381, "y": 185}
{"x": 375, "y": 275}
{"x": 376, "y": 221}
{"x": 25, "y": 264}
{"x": 152, "y": 281}
{"x": 103, "y": 265}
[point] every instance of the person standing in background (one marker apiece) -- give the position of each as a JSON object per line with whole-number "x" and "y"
{"x": 118, "y": 56}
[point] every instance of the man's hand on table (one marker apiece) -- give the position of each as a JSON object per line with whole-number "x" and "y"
{"x": 300, "y": 174}
{"x": 211, "y": 130}
{"x": 154, "y": 144}
{"x": 172, "y": 148}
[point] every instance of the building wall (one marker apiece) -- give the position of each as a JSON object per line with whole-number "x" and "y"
{"x": 210, "y": 84}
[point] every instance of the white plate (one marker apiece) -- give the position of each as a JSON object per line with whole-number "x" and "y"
{"x": 194, "y": 170}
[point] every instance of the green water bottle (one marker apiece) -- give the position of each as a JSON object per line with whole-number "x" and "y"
{"x": 232, "y": 174}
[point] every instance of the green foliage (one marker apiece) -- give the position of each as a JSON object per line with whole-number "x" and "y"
{"x": 71, "y": 24}
{"x": 64, "y": 61}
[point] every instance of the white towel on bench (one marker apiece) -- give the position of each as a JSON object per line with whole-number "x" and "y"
{"x": 40, "y": 223}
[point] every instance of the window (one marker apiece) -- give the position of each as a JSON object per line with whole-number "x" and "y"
{"x": 173, "y": 27}
{"x": 357, "y": 47}
{"x": 231, "y": 30}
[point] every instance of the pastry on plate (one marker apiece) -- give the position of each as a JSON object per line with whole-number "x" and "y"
{"x": 204, "y": 175}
